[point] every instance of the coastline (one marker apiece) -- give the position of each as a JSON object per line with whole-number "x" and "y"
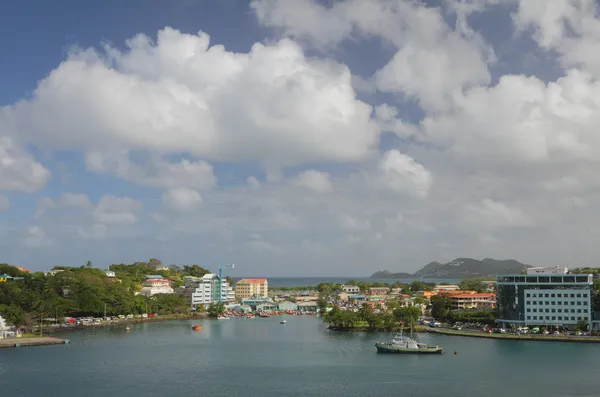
{"x": 523, "y": 337}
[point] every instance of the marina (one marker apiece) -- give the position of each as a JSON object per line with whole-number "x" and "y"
{"x": 302, "y": 358}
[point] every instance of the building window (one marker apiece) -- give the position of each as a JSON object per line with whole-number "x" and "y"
{"x": 535, "y": 317}
{"x": 547, "y": 310}
{"x": 578, "y": 310}
{"x": 528, "y": 317}
{"x": 585, "y": 295}
{"x": 553, "y": 317}
{"x": 528, "y": 310}
{"x": 547, "y": 317}
{"x": 572, "y": 295}
{"x": 578, "y": 303}
{"x": 527, "y": 295}
{"x": 579, "y": 295}
{"x": 559, "y": 303}
{"x": 534, "y": 310}
{"x": 559, "y": 310}
{"x": 572, "y": 310}
{"x": 559, "y": 295}
{"x": 553, "y": 303}
{"x": 560, "y": 317}
{"x": 528, "y": 302}
{"x": 545, "y": 295}
{"x": 553, "y": 310}
{"x": 552, "y": 295}
{"x": 547, "y": 302}
{"x": 572, "y": 318}
{"x": 585, "y": 310}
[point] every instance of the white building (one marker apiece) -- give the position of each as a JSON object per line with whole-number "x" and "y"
{"x": 350, "y": 289}
{"x": 548, "y": 270}
{"x": 156, "y": 286}
{"x": 545, "y": 297}
{"x": 109, "y": 273}
{"x": 205, "y": 290}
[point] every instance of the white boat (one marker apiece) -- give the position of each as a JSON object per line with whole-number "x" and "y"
{"x": 405, "y": 345}
{"x": 222, "y": 318}
{"x": 283, "y": 321}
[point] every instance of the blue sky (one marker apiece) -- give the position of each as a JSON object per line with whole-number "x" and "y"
{"x": 323, "y": 139}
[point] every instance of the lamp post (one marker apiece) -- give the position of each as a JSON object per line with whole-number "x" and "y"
{"x": 221, "y": 267}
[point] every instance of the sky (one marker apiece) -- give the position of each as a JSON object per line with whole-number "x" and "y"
{"x": 299, "y": 138}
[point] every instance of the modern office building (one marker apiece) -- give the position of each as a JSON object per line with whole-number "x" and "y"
{"x": 252, "y": 288}
{"x": 205, "y": 290}
{"x": 545, "y": 297}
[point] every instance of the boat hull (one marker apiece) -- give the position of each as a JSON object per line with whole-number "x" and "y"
{"x": 389, "y": 348}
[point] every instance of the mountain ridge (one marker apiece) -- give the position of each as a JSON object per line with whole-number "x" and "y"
{"x": 460, "y": 268}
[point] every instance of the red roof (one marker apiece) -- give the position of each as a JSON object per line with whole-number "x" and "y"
{"x": 473, "y": 296}
{"x": 158, "y": 281}
{"x": 254, "y": 280}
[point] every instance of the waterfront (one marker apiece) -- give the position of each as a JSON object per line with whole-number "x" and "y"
{"x": 301, "y": 358}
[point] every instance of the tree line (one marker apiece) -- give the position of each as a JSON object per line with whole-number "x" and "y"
{"x": 87, "y": 291}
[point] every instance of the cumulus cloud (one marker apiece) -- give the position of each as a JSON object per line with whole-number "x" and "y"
{"x": 72, "y": 200}
{"x": 182, "y": 199}
{"x": 19, "y": 171}
{"x": 317, "y": 181}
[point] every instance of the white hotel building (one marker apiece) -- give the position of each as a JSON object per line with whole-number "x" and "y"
{"x": 545, "y": 297}
{"x": 205, "y": 290}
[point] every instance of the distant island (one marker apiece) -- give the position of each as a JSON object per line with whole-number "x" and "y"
{"x": 459, "y": 268}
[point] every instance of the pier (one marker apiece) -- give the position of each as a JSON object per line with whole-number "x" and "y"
{"x": 23, "y": 342}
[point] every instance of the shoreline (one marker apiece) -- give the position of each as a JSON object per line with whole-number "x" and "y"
{"x": 524, "y": 337}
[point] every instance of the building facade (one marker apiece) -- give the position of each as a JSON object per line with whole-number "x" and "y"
{"x": 545, "y": 298}
{"x": 252, "y": 288}
{"x": 156, "y": 286}
{"x": 473, "y": 301}
{"x": 350, "y": 289}
{"x": 205, "y": 290}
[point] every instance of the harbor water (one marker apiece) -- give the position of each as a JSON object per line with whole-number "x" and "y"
{"x": 261, "y": 357}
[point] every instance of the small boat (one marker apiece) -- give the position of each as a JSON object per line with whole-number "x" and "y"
{"x": 197, "y": 328}
{"x": 404, "y": 345}
{"x": 222, "y": 317}
{"x": 283, "y": 322}
{"x": 264, "y": 315}
{"x": 127, "y": 329}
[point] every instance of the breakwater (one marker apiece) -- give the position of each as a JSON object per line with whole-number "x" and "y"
{"x": 24, "y": 342}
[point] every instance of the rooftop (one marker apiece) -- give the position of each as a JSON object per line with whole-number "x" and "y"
{"x": 473, "y": 296}
{"x": 253, "y": 280}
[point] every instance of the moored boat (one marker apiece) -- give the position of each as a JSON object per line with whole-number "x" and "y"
{"x": 405, "y": 345}
{"x": 197, "y": 328}
{"x": 221, "y": 317}
{"x": 283, "y": 321}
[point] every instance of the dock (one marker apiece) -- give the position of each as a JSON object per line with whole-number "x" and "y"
{"x": 23, "y": 342}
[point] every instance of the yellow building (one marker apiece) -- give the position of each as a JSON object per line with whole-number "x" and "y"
{"x": 251, "y": 288}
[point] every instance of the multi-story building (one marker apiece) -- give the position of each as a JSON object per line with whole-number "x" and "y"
{"x": 156, "y": 286}
{"x": 472, "y": 301}
{"x": 550, "y": 297}
{"x": 379, "y": 290}
{"x": 205, "y": 290}
{"x": 252, "y": 288}
{"x": 350, "y": 289}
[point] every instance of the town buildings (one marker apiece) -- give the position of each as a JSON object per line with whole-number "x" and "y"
{"x": 545, "y": 297}
{"x": 251, "y": 288}
{"x": 205, "y": 290}
{"x": 350, "y": 289}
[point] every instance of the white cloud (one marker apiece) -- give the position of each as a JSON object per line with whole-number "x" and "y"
{"x": 74, "y": 200}
{"x": 271, "y": 105}
{"x": 182, "y": 199}
{"x": 317, "y": 181}
{"x": 43, "y": 205}
{"x": 4, "y": 203}
{"x": 19, "y": 171}
{"x": 401, "y": 173}
{"x": 118, "y": 210}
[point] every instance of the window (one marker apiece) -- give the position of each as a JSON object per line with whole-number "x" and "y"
{"x": 560, "y": 317}
{"x": 545, "y": 295}
{"x": 552, "y": 295}
{"x": 529, "y": 302}
{"x": 547, "y": 317}
{"x": 527, "y": 295}
{"x": 585, "y": 310}
{"x": 559, "y": 310}
{"x": 578, "y": 303}
{"x": 553, "y": 310}
{"x": 578, "y": 318}
{"x": 528, "y": 317}
{"x": 572, "y": 295}
{"x": 559, "y": 295}
{"x": 585, "y": 295}
{"x": 547, "y": 302}
{"x": 534, "y": 310}
{"x": 559, "y": 303}
{"x": 572, "y": 318}
{"x": 528, "y": 310}
{"x": 547, "y": 310}
{"x": 553, "y": 303}
{"x": 553, "y": 317}
{"x": 578, "y": 310}
{"x": 579, "y": 295}
{"x": 572, "y": 310}
{"x": 535, "y": 317}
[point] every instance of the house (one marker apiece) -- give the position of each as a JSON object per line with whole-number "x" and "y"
{"x": 156, "y": 286}
{"x": 446, "y": 288}
{"x": 53, "y": 272}
{"x": 286, "y": 306}
{"x": 342, "y": 296}
{"x": 350, "y": 289}
{"x": 109, "y": 273}
{"x": 425, "y": 294}
{"x": 251, "y": 288}
{"x": 154, "y": 277}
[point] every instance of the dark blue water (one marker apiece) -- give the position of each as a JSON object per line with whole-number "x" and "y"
{"x": 261, "y": 357}
{"x": 314, "y": 281}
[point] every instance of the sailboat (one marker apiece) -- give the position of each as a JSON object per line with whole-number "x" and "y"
{"x": 406, "y": 345}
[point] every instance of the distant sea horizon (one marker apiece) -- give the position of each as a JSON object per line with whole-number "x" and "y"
{"x": 275, "y": 282}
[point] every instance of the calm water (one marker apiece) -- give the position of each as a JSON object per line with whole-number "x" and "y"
{"x": 261, "y": 357}
{"x": 314, "y": 281}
